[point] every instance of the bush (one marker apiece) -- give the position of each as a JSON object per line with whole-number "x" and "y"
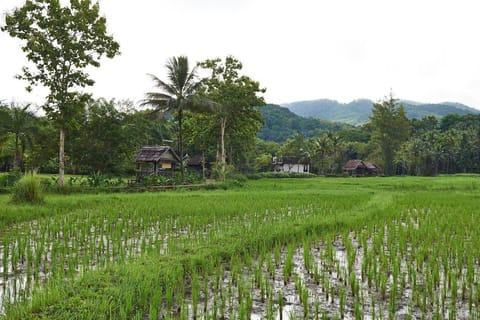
{"x": 28, "y": 190}
{"x": 9, "y": 179}
{"x": 96, "y": 180}
{"x": 156, "y": 180}
{"x": 222, "y": 171}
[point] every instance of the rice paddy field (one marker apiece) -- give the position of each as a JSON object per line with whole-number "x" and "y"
{"x": 321, "y": 248}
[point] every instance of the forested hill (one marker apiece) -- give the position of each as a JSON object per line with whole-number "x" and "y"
{"x": 358, "y": 111}
{"x": 281, "y": 124}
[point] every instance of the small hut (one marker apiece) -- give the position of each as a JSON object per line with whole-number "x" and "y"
{"x": 360, "y": 168}
{"x": 291, "y": 164}
{"x": 154, "y": 160}
{"x": 195, "y": 163}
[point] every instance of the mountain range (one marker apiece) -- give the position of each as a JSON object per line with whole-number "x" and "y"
{"x": 358, "y": 111}
{"x": 281, "y": 124}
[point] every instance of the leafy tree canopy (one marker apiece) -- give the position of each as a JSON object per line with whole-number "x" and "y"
{"x": 61, "y": 42}
{"x": 233, "y": 114}
{"x": 390, "y": 128}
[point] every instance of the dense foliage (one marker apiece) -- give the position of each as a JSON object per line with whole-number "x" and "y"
{"x": 108, "y": 135}
{"x": 106, "y": 138}
{"x": 232, "y": 122}
{"x": 357, "y": 112}
{"x": 281, "y": 124}
{"x": 176, "y": 96}
{"x": 399, "y": 146}
{"x": 390, "y": 128}
{"x": 61, "y": 42}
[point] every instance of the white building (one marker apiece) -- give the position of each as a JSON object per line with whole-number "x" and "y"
{"x": 291, "y": 164}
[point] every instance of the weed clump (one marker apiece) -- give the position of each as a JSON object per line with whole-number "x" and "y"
{"x": 28, "y": 190}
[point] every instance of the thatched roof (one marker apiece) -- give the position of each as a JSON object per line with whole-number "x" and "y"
{"x": 156, "y": 154}
{"x": 352, "y": 165}
{"x": 371, "y": 166}
{"x": 195, "y": 160}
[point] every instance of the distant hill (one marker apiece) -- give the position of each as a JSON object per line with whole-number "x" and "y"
{"x": 358, "y": 111}
{"x": 281, "y": 124}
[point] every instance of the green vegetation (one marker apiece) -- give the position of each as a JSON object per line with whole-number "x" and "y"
{"x": 281, "y": 124}
{"x": 232, "y": 121}
{"x": 390, "y": 128}
{"x": 266, "y": 247}
{"x": 176, "y": 96}
{"x": 61, "y": 42}
{"x": 19, "y": 122}
{"x": 357, "y": 112}
{"x": 28, "y": 190}
{"x": 324, "y": 242}
{"x": 108, "y": 135}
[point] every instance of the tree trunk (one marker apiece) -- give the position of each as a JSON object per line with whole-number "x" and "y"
{"x": 217, "y": 154}
{"x": 223, "y": 155}
{"x": 16, "y": 160}
{"x": 180, "y": 144}
{"x": 61, "y": 158}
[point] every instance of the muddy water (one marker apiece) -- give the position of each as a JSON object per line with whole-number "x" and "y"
{"x": 324, "y": 296}
{"x": 322, "y": 289}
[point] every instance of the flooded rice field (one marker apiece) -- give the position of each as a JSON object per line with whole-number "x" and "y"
{"x": 416, "y": 266}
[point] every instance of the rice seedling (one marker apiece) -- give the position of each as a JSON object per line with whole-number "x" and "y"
{"x": 365, "y": 257}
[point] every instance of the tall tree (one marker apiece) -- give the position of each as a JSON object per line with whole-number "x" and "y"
{"x": 61, "y": 42}
{"x": 390, "y": 129}
{"x": 322, "y": 148}
{"x": 235, "y": 96}
{"x": 178, "y": 95}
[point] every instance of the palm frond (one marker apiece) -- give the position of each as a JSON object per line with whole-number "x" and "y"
{"x": 180, "y": 75}
{"x": 169, "y": 89}
{"x": 198, "y": 103}
{"x": 160, "y": 102}
{"x": 193, "y": 87}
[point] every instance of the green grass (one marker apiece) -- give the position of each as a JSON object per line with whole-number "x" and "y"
{"x": 206, "y": 229}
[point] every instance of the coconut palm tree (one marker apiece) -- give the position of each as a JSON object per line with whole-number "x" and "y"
{"x": 322, "y": 148}
{"x": 20, "y": 122}
{"x": 177, "y": 95}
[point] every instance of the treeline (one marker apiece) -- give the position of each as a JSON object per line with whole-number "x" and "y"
{"x": 104, "y": 137}
{"x": 213, "y": 117}
{"x": 107, "y": 135}
{"x": 398, "y": 145}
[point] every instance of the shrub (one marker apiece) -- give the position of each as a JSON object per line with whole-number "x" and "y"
{"x": 156, "y": 180}
{"x": 28, "y": 190}
{"x": 96, "y": 180}
{"x": 9, "y": 179}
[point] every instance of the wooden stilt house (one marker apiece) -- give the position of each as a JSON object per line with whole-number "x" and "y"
{"x": 155, "y": 160}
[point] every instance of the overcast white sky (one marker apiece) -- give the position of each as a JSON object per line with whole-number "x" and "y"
{"x": 424, "y": 50}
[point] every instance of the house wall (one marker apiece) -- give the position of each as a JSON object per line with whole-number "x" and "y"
{"x": 299, "y": 168}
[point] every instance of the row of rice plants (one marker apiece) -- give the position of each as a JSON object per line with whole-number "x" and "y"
{"x": 319, "y": 259}
{"x": 380, "y": 271}
{"x": 67, "y": 245}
